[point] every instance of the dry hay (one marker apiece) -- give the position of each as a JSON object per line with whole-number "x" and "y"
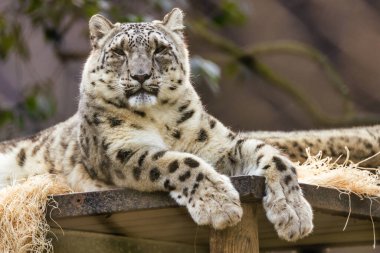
{"x": 23, "y": 206}
{"x": 347, "y": 177}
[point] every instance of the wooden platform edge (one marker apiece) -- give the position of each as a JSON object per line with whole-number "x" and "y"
{"x": 251, "y": 189}
{"x": 83, "y": 242}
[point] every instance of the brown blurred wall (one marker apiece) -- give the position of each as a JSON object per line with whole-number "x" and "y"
{"x": 348, "y": 31}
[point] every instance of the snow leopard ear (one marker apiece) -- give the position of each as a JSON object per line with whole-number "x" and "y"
{"x": 99, "y": 26}
{"x": 174, "y": 20}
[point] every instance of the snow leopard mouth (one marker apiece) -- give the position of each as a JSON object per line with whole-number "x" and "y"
{"x": 142, "y": 91}
{"x": 142, "y": 97}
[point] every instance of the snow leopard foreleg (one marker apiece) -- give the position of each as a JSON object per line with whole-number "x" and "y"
{"x": 284, "y": 203}
{"x": 209, "y": 196}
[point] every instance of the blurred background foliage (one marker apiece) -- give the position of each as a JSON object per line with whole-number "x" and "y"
{"x": 279, "y": 79}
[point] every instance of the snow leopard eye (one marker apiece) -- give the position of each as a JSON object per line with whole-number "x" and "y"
{"x": 119, "y": 51}
{"x": 161, "y": 49}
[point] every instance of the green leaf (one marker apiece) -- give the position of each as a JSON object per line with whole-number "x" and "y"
{"x": 5, "y": 117}
{"x": 33, "y": 6}
{"x": 230, "y": 14}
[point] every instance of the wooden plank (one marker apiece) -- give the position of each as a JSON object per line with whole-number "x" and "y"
{"x": 83, "y": 242}
{"x": 172, "y": 226}
{"x": 167, "y": 224}
{"x": 335, "y": 202}
{"x": 328, "y": 231}
{"x": 251, "y": 189}
{"x": 155, "y": 216}
{"x": 241, "y": 238}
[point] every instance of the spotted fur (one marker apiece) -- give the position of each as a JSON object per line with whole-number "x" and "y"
{"x": 140, "y": 124}
{"x": 362, "y": 142}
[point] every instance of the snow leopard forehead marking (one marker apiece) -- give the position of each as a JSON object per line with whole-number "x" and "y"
{"x": 140, "y": 34}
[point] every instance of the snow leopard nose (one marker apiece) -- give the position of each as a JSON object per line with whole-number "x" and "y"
{"x": 141, "y": 78}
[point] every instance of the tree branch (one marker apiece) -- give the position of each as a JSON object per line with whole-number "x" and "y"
{"x": 248, "y": 59}
{"x": 300, "y": 49}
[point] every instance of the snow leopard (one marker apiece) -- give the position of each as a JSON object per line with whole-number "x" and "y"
{"x": 140, "y": 124}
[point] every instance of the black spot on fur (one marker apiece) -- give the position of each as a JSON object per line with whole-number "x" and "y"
{"x": 135, "y": 126}
{"x": 258, "y": 147}
{"x": 173, "y": 166}
{"x": 185, "y": 116}
{"x": 200, "y": 177}
{"x": 240, "y": 142}
{"x": 168, "y": 186}
{"x": 202, "y": 135}
{"x": 287, "y": 179}
{"x": 95, "y": 140}
{"x": 259, "y": 159}
{"x": 154, "y": 174}
{"x": 158, "y": 155}
{"x": 91, "y": 172}
{"x": 185, "y": 191}
{"x": 185, "y": 176}
{"x": 39, "y": 145}
{"x": 293, "y": 170}
{"x": 231, "y": 158}
{"x": 95, "y": 119}
{"x": 105, "y": 145}
{"x": 142, "y": 158}
{"x": 212, "y": 123}
{"x": 118, "y": 104}
{"x": 119, "y": 174}
{"x": 166, "y": 183}
{"x": 266, "y": 167}
{"x": 280, "y": 165}
{"x": 184, "y": 107}
{"x": 140, "y": 113}
{"x": 176, "y": 134}
{"x": 195, "y": 187}
{"x": 124, "y": 155}
{"x": 21, "y": 157}
{"x": 192, "y": 163}
{"x": 88, "y": 121}
{"x": 115, "y": 121}
{"x": 368, "y": 145}
{"x": 136, "y": 172}
{"x": 231, "y": 136}
{"x": 105, "y": 170}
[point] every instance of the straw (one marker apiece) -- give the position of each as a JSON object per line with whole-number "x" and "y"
{"x": 23, "y": 206}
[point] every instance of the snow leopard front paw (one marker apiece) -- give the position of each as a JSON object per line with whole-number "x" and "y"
{"x": 284, "y": 203}
{"x": 215, "y": 202}
{"x": 292, "y": 220}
